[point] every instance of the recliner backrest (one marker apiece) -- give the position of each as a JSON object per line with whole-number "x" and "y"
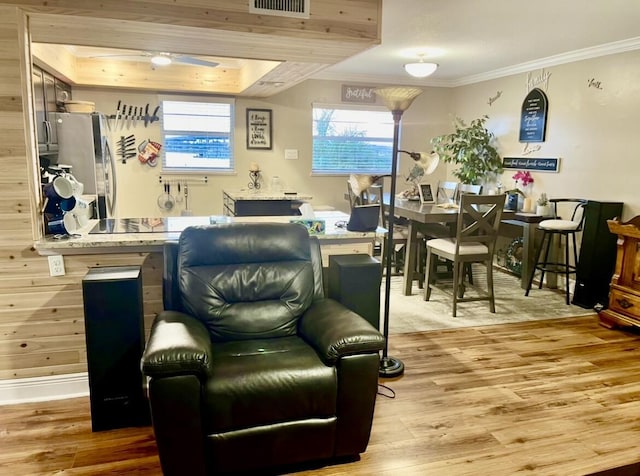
{"x": 246, "y": 281}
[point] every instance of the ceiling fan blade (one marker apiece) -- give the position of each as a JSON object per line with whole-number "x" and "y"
{"x": 194, "y": 61}
{"x": 120, "y": 55}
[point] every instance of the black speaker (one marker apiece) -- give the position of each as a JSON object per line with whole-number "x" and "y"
{"x": 597, "y": 258}
{"x": 114, "y": 330}
{"x": 354, "y": 280}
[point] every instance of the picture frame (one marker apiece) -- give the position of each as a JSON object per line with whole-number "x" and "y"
{"x": 259, "y": 129}
{"x": 426, "y": 193}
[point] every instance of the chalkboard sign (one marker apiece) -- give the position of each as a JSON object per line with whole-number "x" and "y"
{"x": 533, "y": 121}
{"x": 527, "y": 163}
{"x": 258, "y": 128}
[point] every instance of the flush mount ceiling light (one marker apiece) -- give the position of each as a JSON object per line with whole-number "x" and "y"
{"x": 420, "y": 69}
{"x": 161, "y": 59}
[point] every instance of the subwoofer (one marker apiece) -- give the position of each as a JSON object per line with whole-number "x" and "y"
{"x": 114, "y": 331}
{"x": 597, "y": 258}
{"x": 355, "y": 281}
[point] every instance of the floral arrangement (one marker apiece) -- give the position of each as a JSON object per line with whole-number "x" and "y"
{"x": 524, "y": 178}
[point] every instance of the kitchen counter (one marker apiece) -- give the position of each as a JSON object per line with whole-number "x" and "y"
{"x": 247, "y": 194}
{"x": 262, "y": 203}
{"x": 135, "y": 235}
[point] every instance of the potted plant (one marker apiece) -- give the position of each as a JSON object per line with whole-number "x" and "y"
{"x": 542, "y": 205}
{"x": 471, "y": 148}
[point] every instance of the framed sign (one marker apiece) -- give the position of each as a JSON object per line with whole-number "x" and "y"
{"x": 533, "y": 120}
{"x": 548, "y": 164}
{"x": 359, "y": 94}
{"x": 426, "y": 193}
{"x": 259, "y": 129}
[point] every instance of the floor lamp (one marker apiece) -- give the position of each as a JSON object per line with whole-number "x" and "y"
{"x": 397, "y": 101}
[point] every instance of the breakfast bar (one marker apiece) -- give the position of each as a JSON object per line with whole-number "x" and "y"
{"x": 144, "y": 235}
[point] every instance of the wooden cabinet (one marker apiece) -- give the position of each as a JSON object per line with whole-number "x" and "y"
{"x": 624, "y": 294}
{"x": 49, "y": 94}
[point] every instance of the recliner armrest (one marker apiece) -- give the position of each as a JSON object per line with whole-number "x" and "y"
{"x": 335, "y": 331}
{"x": 178, "y": 344}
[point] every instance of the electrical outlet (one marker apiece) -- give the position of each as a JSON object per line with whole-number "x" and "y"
{"x": 56, "y": 265}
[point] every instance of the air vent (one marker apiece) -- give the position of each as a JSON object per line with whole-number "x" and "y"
{"x": 281, "y": 8}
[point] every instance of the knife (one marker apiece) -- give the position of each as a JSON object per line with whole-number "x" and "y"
{"x": 135, "y": 116}
{"x": 146, "y": 115}
{"x": 115, "y": 126}
{"x": 124, "y": 116}
{"x": 154, "y": 116}
{"x": 129, "y": 115}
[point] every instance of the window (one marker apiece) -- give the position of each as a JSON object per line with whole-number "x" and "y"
{"x": 197, "y": 135}
{"x": 349, "y": 140}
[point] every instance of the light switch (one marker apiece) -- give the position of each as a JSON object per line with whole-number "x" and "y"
{"x": 291, "y": 154}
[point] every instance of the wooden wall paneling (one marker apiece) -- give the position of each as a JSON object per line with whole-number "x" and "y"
{"x": 58, "y": 61}
{"x": 143, "y": 75}
{"x": 41, "y": 317}
{"x": 339, "y": 19}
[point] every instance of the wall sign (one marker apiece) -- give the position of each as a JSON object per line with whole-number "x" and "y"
{"x": 533, "y": 120}
{"x": 259, "y": 129}
{"x": 359, "y": 94}
{"x": 526, "y": 163}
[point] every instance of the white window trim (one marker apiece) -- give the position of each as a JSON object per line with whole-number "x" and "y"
{"x": 203, "y": 170}
{"x": 353, "y": 107}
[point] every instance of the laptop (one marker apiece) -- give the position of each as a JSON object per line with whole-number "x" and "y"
{"x": 364, "y": 218}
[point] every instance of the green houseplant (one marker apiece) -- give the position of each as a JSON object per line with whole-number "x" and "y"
{"x": 471, "y": 148}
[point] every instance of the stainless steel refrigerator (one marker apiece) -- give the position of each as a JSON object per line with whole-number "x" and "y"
{"x": 83, "y": 143}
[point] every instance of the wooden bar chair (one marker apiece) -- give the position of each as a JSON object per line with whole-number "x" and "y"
{"x": 476, "y": 233}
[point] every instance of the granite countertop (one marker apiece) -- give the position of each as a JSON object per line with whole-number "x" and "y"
{"x": 87, "y": 241}
{"x": 250, "y": 194}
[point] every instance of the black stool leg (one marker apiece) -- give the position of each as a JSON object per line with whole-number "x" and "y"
{"x": 545, "y": 263}
{"x": 566, "y": 267}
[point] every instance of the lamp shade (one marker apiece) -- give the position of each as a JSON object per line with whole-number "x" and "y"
{"x": 428, "y": 162}
{"x": 360, "y": 183}
{"x": 398, "y": 99}
{"x": 420, "y": 69}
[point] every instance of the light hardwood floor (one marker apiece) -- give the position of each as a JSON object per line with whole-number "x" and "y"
{"x": 557, "y": 397}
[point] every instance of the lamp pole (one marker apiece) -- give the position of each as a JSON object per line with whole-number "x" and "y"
{"x": 390, "y": 366}
{"x": 397, "y": 101}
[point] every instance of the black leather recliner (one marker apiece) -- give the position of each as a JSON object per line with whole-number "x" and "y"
{"x": 250, "y": 366}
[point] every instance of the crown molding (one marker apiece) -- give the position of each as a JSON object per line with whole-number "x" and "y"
{"x": 606, "y": 49}
{"x": 404, "y": 80}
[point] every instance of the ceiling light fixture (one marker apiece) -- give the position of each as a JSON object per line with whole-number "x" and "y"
{"x": 161, "y": 59}
{"x": 420, "y": 69}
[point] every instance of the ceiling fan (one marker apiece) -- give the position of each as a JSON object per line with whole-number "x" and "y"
{"x": 164, "y": 58}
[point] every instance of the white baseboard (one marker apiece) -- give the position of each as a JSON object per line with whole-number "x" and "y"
{"x": 39, "y": 389}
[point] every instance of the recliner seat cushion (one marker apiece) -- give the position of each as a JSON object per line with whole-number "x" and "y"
{"x": 267, "y": 381}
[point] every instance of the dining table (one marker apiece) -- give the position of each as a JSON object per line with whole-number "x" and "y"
{"x": 417, "y": 214}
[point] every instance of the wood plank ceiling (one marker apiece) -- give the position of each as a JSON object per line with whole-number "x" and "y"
{"x": 275, "y": 52}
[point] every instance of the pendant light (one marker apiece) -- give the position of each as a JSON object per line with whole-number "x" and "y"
{"x": 420, "y": 69}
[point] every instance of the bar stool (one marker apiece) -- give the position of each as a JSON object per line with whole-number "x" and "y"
{"x": 561, "y": 228}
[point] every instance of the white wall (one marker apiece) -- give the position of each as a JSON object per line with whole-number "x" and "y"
{"x": 593, "y": 131}
{"x": 138, "y": 185}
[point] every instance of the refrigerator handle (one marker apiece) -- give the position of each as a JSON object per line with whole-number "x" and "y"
{"x": 112, "y": 167}
{"x": 48, "y": 132}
